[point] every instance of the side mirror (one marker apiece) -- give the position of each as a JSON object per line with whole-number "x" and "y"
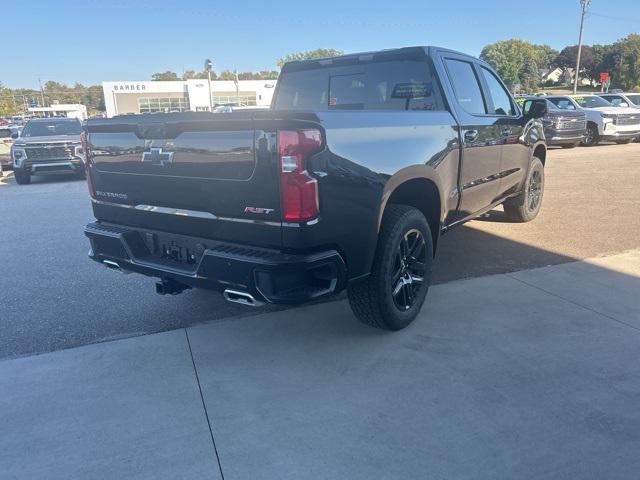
{"x": 537, "y": 109}
{"x": 14, "y": 135}
{"x": 623, "y": 105}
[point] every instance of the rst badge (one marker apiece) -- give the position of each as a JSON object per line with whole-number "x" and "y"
{"x": 258, "y": 210}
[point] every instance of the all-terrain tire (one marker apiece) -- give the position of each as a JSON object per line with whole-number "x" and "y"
{"x": 526, "y": 206}
{"x": 373, "y": 300}
{"x": 21, "y": 177}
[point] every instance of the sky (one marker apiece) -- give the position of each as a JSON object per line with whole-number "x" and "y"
{"x": 90, "y": 41}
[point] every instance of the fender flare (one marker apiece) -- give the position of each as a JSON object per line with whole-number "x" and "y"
{"x": 413, "y": 172}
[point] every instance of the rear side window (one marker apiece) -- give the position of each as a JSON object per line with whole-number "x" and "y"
{"x": 466, "y": 86}
{"x": 501, "y": 101}
{"x": 393, "y": 85}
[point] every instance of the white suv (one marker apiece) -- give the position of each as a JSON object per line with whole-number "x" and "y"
{"x": 604, "y": 121}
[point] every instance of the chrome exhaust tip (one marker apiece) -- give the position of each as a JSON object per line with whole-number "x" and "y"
{"x": 111, "y": 265}
{"x": 243, "y": 298}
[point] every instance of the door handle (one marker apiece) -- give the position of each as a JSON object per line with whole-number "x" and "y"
{"x": 470, "y": 135}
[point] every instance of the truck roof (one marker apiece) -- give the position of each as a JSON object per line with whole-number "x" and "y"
{"x": 402, "y": 53}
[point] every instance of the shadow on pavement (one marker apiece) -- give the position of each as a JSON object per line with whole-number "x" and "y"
{"x": 467, "y": 252}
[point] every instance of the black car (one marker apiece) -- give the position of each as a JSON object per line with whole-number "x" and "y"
{"x": 349, "y": 180}
{"x": 564, "y": 128}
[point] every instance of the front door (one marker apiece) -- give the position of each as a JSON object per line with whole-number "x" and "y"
{"x": 515, "y": 154}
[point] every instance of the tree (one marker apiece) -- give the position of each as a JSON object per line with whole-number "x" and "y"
{"x": 545, "y": 56}
{"x": 568, "y": 56}
{"x": 516, "y": 62}
{"x": 624, "y": 59}
{"x": 190, "y": 74}
{"x": 164, "y": 76}
{"x": 7, "y": 103}
{"x": 310, "y": 54}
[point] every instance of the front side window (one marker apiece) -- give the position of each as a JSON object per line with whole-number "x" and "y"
{"x": 635, "y": 99}
{"x": 466, "y": 86}
{"x": 501, "y": 101}
{"x": 614, "y": 100}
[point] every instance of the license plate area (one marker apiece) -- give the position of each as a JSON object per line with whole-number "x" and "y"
{"x": 173, "y": 251}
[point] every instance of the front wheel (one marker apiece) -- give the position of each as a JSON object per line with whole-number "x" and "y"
{"x": 21, "y": 177}
{"x": 526, "y": 206}
{"x": 591, "y": 136}
{"x": 391, "y": 297}
{"x": 625, "y": 141}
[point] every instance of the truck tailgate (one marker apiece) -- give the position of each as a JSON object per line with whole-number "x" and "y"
{"x": 208, "y": 175}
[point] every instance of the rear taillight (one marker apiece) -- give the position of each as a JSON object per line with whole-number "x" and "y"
{"x": 87, "y": 163}
{"x": 298, "y": 190}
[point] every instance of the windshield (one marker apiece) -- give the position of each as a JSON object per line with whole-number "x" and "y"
{"x": 591, "y": 102}
{"x": 562, "y": 103}
{"x": 43, "y": 129}
{"x": 5, "y": 132}
{"x": 634, "y": 98}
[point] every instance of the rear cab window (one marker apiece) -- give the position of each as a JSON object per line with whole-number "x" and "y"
{"x": 466, "y": 86}
{"x": 374, "y": 85}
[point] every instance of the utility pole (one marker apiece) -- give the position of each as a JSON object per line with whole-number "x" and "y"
{"x": 41, "y": 92}
{"x": 207, "y": 66}
{"x": 237, "y": 83}
{"x": 585, "y": 5}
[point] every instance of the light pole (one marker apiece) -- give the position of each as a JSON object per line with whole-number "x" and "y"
{"x": 585, "y": 4}
{"x": 207, "y": 66}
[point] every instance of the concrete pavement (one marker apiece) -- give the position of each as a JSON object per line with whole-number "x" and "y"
{"x": 525, "y": 375}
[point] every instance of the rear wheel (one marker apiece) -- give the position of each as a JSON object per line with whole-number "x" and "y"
{"x": 21, "y": 177}
{"x": 591, "y": 136}
{"x": 571, "y": 145}
{"x": 526, "y": 206}
{"x": 391, "y": 297}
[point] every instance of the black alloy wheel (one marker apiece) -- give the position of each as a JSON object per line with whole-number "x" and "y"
{"x": 409, "y": 270}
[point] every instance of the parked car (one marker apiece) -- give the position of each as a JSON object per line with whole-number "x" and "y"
{"x": 564, "y": 128}
{"x": 348, "y": 181}
{"x": 48, "y": 146}
{"x": 604, "y": 121}
{"x": 5, "y": 147}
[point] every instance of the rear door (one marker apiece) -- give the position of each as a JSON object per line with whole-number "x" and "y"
{"x": 480, "y": 134}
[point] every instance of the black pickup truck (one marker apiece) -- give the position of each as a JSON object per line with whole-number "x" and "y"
{"x": 348, "y": 181}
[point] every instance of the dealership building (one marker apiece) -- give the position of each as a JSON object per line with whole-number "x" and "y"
{"x": 182, "y": 96}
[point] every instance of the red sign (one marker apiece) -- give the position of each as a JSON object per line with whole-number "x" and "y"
{"x": 604, "y": 76}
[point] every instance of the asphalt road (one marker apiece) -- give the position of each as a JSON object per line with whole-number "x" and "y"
{"x": 53, "y": 297}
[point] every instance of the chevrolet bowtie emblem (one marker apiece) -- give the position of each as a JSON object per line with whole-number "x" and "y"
{"x": 156, "y": 156}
